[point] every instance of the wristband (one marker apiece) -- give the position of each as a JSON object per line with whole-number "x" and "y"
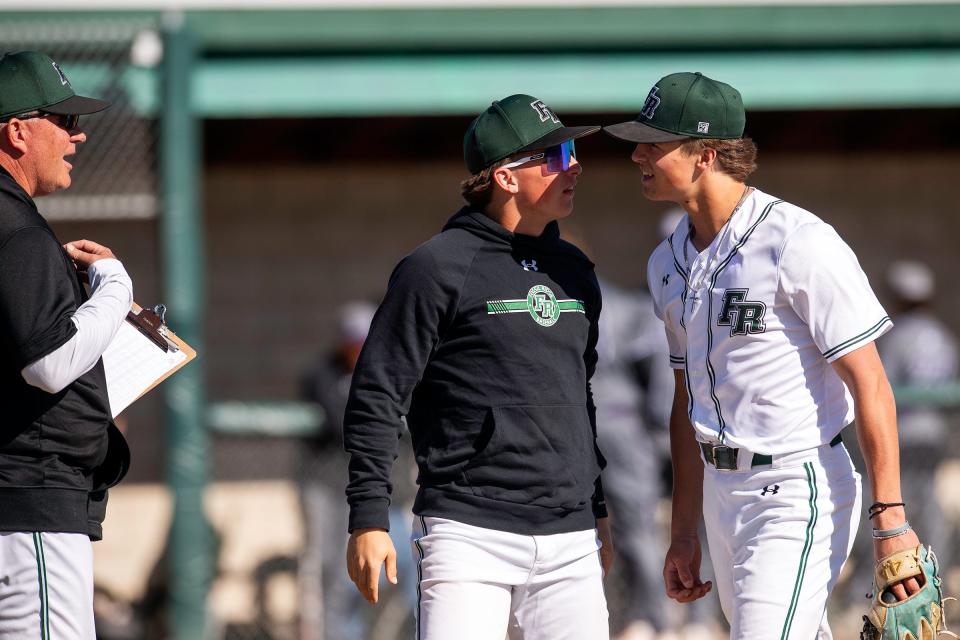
{"x": 879, "y": 507}
{"x": 883, "y": 534}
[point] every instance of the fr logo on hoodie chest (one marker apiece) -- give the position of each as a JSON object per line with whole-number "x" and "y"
{"x": 541, "y": 304}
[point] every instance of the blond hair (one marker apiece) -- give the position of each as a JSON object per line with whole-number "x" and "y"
{"x": 477, "y": 190}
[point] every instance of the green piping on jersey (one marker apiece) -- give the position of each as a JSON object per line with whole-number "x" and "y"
{"x": 862, "y": 337}
{"x": 42, "y": 587}
{"x": 805, "y": 554}
{"x": 713, "y": 283}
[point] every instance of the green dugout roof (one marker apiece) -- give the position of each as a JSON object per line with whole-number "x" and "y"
{"x": 397, "y": 61}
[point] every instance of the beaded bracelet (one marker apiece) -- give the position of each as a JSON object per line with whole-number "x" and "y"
{"x": 879, "y": 507}
{"x": 883, "y": 534}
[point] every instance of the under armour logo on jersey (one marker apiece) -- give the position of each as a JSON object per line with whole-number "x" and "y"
{"x": 650, "y": 106}
{"x": 544, "y": 111}
{"x": 741, "y": 315}
{"x": 529, "y": 265}
{"x": 63, "y": 78}
{"x": 666, "y": 280}
{"x": 770, "y": 488}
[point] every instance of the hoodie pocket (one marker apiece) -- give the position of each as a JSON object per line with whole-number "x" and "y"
{"x": 541, "y": 455}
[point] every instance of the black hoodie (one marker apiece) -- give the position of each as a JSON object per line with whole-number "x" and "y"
{"x": 486, "y": 342}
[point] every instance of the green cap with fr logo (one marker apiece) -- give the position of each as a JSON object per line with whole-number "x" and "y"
{"x": 516, "y": 123}
{"x": 31, "y": 81}
{"x": 685, "y": 105}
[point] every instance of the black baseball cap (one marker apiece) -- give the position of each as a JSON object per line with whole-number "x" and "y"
{"x": 32, "y": 81}
{"x": 685, "y": 105}
{"x": 516, "y": 123}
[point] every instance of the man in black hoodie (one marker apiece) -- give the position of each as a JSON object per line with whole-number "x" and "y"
{"x": 486, "y": 342}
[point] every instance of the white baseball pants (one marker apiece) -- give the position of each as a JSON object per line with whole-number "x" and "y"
{"x": 779, "y": 535}
{"x": 46, "y": 586}
{"x": 482, "y": 584}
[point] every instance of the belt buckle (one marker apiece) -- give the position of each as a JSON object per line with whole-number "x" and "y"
{"x": 724, "y": 458}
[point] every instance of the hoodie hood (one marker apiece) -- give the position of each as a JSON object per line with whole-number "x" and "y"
{"x": 482, "y": 225}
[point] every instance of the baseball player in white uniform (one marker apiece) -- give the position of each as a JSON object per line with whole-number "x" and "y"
{"x": 771, "y": 324}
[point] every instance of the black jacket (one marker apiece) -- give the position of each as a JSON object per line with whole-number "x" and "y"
{"x": 486, "y": 341}
{"x": 58, "y": 452}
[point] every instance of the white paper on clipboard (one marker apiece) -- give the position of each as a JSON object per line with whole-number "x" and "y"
{"x": 134, "y": 364}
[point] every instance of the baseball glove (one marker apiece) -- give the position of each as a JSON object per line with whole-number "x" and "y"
{"x": 919, "y": 617}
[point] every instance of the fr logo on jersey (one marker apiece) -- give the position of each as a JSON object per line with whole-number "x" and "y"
{"x": 650, "y": 106}
{"x": 741, "y": 315}
{"x": 544, "y": 111}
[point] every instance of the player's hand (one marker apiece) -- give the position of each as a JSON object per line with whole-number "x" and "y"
{"x": 606, "y": 544}
{"x": 681, "y": 570}
{"x": 85, "y": 252}
{"x": 367, "y": 551}
{"x": 883, "y": 548}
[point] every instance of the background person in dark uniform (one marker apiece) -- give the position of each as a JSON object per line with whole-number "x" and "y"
{"x": 486, "y": 342}
{"x": 59, "y": 448}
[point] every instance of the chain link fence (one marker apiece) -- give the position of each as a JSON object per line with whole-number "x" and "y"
{"x": 111, "y": 59}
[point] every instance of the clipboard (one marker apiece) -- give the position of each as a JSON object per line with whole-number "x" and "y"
{"x": 144, "y": 353}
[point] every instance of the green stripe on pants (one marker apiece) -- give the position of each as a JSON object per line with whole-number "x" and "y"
{"x": 805, "y": 555}
{"x": 42, "y": 583}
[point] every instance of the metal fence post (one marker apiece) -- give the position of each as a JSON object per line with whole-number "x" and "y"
{"x": 191, "y": 552}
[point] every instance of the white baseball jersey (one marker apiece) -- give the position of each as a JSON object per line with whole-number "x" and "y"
{"x": 755, "y": 321}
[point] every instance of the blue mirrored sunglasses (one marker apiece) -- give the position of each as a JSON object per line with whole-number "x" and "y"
{"x": 558, "y": 158}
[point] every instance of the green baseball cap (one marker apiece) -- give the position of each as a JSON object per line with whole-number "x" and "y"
{"x": 31, "y": 81}
{"x": 516, "y": 123}
{"x": 685, "y": 105}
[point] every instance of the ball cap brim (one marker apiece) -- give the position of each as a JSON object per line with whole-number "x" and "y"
{"x": 77, "y": 105}
{"x": 558, "y": 136}
{"x": 634, "y": 131}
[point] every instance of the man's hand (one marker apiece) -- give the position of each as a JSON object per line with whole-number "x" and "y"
{"x": 681, "y": 570}
{"x": 367, "y": 551}
{"x": 606, "y": 544}
{"x": 85, "y": 252}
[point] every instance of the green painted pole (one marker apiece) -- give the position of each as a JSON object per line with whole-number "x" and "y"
{"x": 181, "y": 247}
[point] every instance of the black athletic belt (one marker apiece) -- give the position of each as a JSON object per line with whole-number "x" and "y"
{"x": 724, "y": 458}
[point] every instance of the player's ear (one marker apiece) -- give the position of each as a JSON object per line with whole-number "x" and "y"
{"x": 506, "y": 179}
{"x": 13, "y": 137}
{"x": 707, "y": 157}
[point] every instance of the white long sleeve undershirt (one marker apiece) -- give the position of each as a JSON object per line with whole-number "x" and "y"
{"x": 97, "y": 321}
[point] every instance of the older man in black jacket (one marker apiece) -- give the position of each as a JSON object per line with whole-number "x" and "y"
{"x": 59, "y": 448}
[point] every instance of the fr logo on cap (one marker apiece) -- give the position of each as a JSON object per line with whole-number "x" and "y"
{"x": 685, "y": 105}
